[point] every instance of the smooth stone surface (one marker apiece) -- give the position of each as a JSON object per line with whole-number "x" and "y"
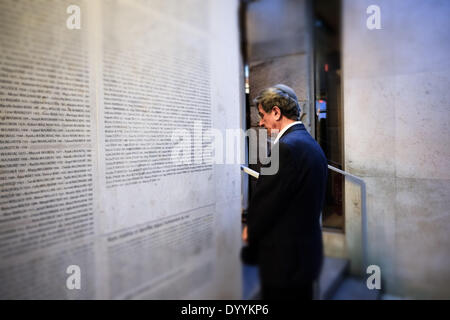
{"x": 422, "y": 40}
{"x": 422, "y": 123}
{"x": 367, "y": 53}
{"x": 369, "y": 123}
{"x": 422, "y": 237}
{"x": 355, "y": 289}
{"x": 399, "y": 143}
{"x": 273, "y": 31}
{"x": 334, "y": 244}
{"x": 382, "y": 224}
{"x": 333, "y": 271}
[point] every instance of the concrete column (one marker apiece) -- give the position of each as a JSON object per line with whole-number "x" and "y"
{"x": 279, "y": 34}
{"x": 397, "y": 137}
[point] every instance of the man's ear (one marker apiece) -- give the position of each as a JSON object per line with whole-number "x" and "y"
{"x": 277, "y": 113}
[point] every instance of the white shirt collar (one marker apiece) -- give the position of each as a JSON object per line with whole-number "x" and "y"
{"x": 284, "y": 130}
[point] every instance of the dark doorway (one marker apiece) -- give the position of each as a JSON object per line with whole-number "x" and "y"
{"x": 328, "y": 106}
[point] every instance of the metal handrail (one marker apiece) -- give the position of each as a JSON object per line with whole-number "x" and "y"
{"x": 362, "y": 184}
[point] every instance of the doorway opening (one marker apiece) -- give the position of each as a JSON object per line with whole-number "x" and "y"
{"x": 328, "y": 105}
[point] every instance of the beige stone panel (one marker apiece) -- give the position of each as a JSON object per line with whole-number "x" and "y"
{"x": 380, "y": 206}
{"x": 254, "y": 116}
{"x": 353, "y": 236}
{"x": 273, "y": 31}
{"x": 334, "y": 244}
{"x": 369, "y": 122}
{"x": 367, "y": 53}
{"x": 422, "y": 123}
{"x": 423, "y": 238}
{"x": 228, "y": 273}
{"x": 422, "y": 40}
{"x": 381, "y": 215}
{"x": 227, "y": 182}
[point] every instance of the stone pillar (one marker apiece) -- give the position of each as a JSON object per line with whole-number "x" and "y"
{"x": 397, "y": 137}
{"x": 279, "y": 50}
{"x": 279, "y": 39}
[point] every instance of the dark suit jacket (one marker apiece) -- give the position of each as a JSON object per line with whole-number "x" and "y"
{"x": 284, "y": 234}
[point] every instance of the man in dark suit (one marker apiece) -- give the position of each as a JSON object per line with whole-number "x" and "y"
{"x": 283, "y": 232}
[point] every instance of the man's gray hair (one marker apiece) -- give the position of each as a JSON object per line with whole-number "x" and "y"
{"x": 282, "y": 96}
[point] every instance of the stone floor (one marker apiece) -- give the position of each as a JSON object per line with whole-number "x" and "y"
{"x": 334, "y": 283}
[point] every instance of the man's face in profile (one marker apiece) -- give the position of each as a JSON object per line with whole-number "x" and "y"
{"x": 267, "y": 119}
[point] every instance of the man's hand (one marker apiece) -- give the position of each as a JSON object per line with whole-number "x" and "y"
{"x": 244, "y": 234}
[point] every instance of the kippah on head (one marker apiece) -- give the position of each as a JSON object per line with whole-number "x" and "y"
{"x": 282, "y": 96}
{"x": 289, "y": 91}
